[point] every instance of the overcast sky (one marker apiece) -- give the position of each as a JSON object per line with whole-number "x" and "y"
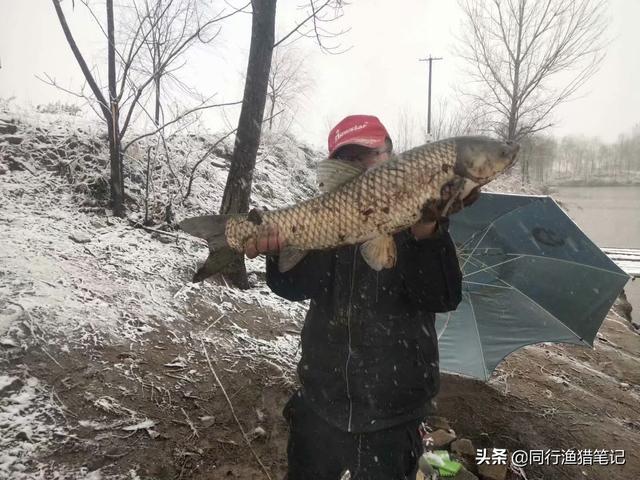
{"x": 379, "y": 75}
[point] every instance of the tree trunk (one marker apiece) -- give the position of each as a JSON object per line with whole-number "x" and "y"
{"x": 115, "y": 150}
{"x": 515, "y": 96}
{"x": 238, "y": 188}
{"x": 156, "y": 116}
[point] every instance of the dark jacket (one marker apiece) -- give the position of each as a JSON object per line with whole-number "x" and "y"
{"x": 369, "y": 345}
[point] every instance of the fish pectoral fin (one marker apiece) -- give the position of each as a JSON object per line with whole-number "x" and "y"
{"x": 289, "y": 258}
{"x": 333, "y": 172}
{"x": 380, "y": 252}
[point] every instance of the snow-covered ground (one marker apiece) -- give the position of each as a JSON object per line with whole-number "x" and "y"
{"x": 72, "y": 275}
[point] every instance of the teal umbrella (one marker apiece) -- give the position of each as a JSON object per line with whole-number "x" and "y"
{"x": 530, "y": 275}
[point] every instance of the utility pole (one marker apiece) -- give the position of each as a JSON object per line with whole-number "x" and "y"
{"x": 430, "y": 60}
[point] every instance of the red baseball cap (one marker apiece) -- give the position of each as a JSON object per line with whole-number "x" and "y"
{"x": 365, "y": 130}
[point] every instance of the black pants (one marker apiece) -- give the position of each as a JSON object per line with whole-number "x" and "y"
{"x": 319, "y": 451}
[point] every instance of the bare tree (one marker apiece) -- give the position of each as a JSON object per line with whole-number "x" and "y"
{"x": 238, "y": 187}
{"x": 288, "y": 80}
{"x": 453, "y": 118}
{"x": 170, "y": 23}
{"x": 538, "y": 153}
{"x": 527, "y": 57}
{"x": 581, "y": 160}
{"x": 405, "y": 136}
{"x": 127, "y": 83}
{"x": 109, "y": 109}
{"x": 237, "y": 190}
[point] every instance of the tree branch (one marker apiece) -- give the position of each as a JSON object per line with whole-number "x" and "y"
{"x": 104, "y": 105}
{"x": 177, "y": 119}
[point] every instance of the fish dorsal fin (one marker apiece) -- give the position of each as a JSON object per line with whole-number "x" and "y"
{"x": 289, "y": 257}
{"x": 334, "y": 172}
{"x": 380, "y": 252}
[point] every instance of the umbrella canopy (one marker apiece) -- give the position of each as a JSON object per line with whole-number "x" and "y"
{"x": 530, "y": 275}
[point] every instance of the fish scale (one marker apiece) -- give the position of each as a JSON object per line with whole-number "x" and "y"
{"x": 382, "y": 200}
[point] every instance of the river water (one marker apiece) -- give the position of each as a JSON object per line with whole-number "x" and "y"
{"x": 610, "y": 216}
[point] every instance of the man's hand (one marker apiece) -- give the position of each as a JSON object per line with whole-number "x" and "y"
{"x": 422, "y": 229}
{"x": 470, "y": 199}
{"x": 428, "y": 225}
{"x": 269, "y": 242}
{"x": 457, "y": 205}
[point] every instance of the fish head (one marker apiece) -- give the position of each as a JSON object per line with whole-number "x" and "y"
{"x": 481, "y": 159}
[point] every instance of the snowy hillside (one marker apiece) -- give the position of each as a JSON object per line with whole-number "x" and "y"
{"x": 73, "y": 277}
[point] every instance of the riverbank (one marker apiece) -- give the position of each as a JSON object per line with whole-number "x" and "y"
{"x": 629, "y": 179}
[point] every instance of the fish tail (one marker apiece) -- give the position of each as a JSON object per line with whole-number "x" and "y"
{"x": 216, "y": 262}
{"x": 212, "y": 229}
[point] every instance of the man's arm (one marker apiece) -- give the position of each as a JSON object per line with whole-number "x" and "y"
{"x": 428, "y": 226}
{"x": 423, "y": 230}
{"x": 433, "y": 279}
{"x": 303, "y": 280}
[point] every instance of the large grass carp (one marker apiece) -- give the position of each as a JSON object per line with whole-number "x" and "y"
{"x": 361, "y": 206}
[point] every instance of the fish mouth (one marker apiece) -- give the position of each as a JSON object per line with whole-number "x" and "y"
{"x": 511, "y": 153}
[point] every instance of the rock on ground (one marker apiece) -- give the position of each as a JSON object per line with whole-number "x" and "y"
{"x": 440, "y": 439}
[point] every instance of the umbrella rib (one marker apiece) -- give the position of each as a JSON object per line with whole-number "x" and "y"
{"x": 489, "y": 285}
{"x": 492, "y": 266}
{"x": 476, "y": 246}
{"x": 467, "y": 256}
{"x": 484, "y": 229}
{"x": 489, "y": 225}
{"x": 479, "y": 263}
{"x": 520, "y": 255}
{"x": 475, "y": 262}
{"x": 547, "y": 311}
{"x": 475, "y": 323}
{"x": 446, "y": 324}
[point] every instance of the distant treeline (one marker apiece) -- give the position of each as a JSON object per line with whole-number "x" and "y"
{"x": 580, "y": 160}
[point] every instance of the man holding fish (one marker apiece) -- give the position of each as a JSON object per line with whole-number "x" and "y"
{"x": 373, "y": 255}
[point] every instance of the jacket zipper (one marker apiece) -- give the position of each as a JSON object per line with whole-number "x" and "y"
{"x": 346, "y": 368}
